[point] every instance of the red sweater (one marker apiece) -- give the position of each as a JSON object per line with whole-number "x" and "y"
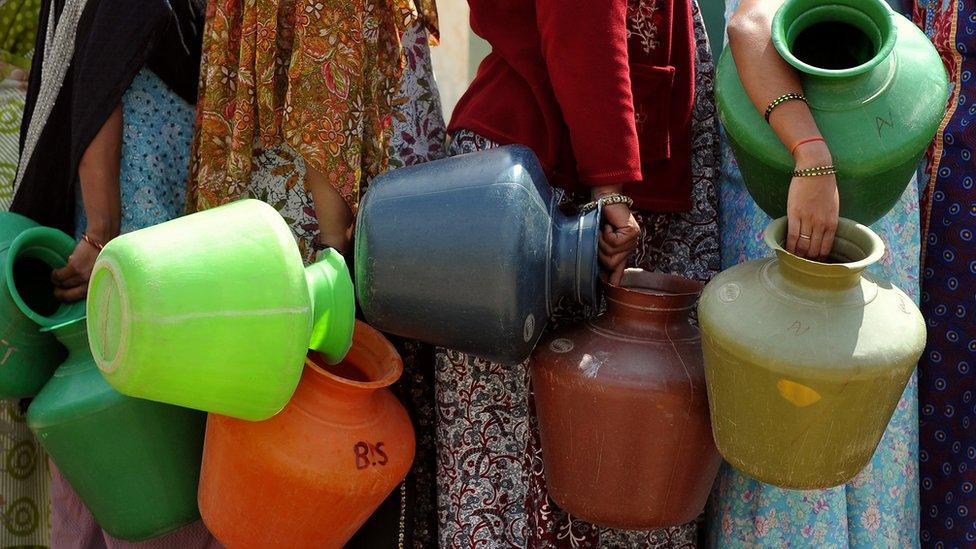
{"x": 598, "y": 99}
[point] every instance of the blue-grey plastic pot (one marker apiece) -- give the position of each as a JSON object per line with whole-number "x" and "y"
{"x": 472, "y": 253}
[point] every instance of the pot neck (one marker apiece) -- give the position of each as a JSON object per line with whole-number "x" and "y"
{"x": 371, "y": 365}
{"x": 650, "y": 306}
{"x": 74, "y": 336}
{"x": 856, "y": 248}
{"x": 845, "y": 75}
{"x": 30, "y": 259}
{"x": 573, "y": 266}
{"x": 333, "y": 306}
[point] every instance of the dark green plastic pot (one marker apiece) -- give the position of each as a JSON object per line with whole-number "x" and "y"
{"x": 876, "y": 87}
{"x": 28, "y": 254}
{"x": 135, "y": 463}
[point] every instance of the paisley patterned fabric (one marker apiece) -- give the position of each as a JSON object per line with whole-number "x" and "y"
{"x": 277, "y": 173}
{"x": 277, "y": 177}
{"x": 491, "y": 479}
{"x": 946, "y": 385}
{"x": 879, "y": 507}
{"x": 316, "y": 76}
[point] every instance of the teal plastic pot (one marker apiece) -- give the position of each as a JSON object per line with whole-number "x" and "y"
{"x": 135, "y": 463}
{"x": 876, "y": 87}
{"x": 215, "y": 311}
{"x": 28, "y": 254}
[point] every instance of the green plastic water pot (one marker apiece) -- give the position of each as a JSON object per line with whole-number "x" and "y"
{"x": 215, "y": 311}
{"x": 876, "y": 87}
{"x": 135, "y": 463}
{"x": 28, "y": 254}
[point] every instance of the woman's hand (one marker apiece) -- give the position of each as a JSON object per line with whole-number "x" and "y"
{"x": 813, "y": 206}
{"x": 71, "y": 281}
{"x": 619, "y": 236}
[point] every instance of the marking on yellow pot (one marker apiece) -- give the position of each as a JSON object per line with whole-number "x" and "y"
{"x": 730, "y": 292}
{"x": 798, "y": 394}
{"x": 798, "y": 328}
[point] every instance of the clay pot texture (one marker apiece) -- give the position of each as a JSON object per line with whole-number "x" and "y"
{"x": 623, "y": 414}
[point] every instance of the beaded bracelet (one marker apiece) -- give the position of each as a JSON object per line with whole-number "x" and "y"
{"x": 613, "y": 198}
{"x": 815, "y": 172}
{"x": 786, "y": 97}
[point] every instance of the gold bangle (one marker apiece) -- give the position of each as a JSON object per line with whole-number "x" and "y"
{"x": 785, "y": 98}
{"x": 815, "y": 172}
{"x": 613, "y": 198}
{"x": 92, "y": 242}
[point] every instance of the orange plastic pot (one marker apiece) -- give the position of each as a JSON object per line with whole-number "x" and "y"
{"x": 311, "y": 475}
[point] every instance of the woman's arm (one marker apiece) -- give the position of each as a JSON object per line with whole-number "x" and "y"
{"x": 333, "y": 214}
{"x": 98, "y": 172}
{"x": 813, "y": 204}
{"x": 584, "y": 43}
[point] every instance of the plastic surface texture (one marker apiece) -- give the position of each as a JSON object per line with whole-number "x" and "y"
{"x": 877, "y": 89}
{"x": 471, "y": 253}
{"x": 312, "y": 475}
{"x": 28, "y": 254}
{"x": 622, "y": 408}
{"x": 806, "y": 361}
{"x": 134, "y": 463}
{"x": 215, "y": 311}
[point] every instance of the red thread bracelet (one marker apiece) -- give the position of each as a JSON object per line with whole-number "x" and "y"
{"x": 91, "y": 241}
{"x": 804, "y": 142}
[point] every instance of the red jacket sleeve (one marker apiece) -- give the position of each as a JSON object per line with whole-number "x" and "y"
{"x": 584, "y": 44}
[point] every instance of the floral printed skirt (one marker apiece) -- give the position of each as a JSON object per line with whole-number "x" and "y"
{"x": 277, "y": 177}
{"x": 491, "y": 479}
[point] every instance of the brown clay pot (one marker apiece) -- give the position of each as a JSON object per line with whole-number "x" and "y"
{"x": 623, "y": 414}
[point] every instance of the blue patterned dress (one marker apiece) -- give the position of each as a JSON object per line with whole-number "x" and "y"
{"x": 879, "y": 507}
{"x": 946, "y": 382}
{"x": 156, "y": 131}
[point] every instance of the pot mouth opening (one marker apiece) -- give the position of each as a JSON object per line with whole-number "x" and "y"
{"x": 654, "y": 290}
{"x": 834, "y": 37}
{"x": 31, "y": 259}
{"x": 372, "y": 362}
{"x": 855, "y": 248}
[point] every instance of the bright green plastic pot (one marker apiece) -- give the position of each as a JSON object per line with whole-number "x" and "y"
{"x": 215, "y": 311}
{"x": 876, "y": 87}
{"x": 28, "y": 254}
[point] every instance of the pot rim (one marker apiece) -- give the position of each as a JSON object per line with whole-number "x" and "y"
{"x": 51, "y": 247}
{"x": 847, "y": 230}
{"x": 886, "y": 26}
{"x": 643, "y": 288}
{"x": 370, "y": 351}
